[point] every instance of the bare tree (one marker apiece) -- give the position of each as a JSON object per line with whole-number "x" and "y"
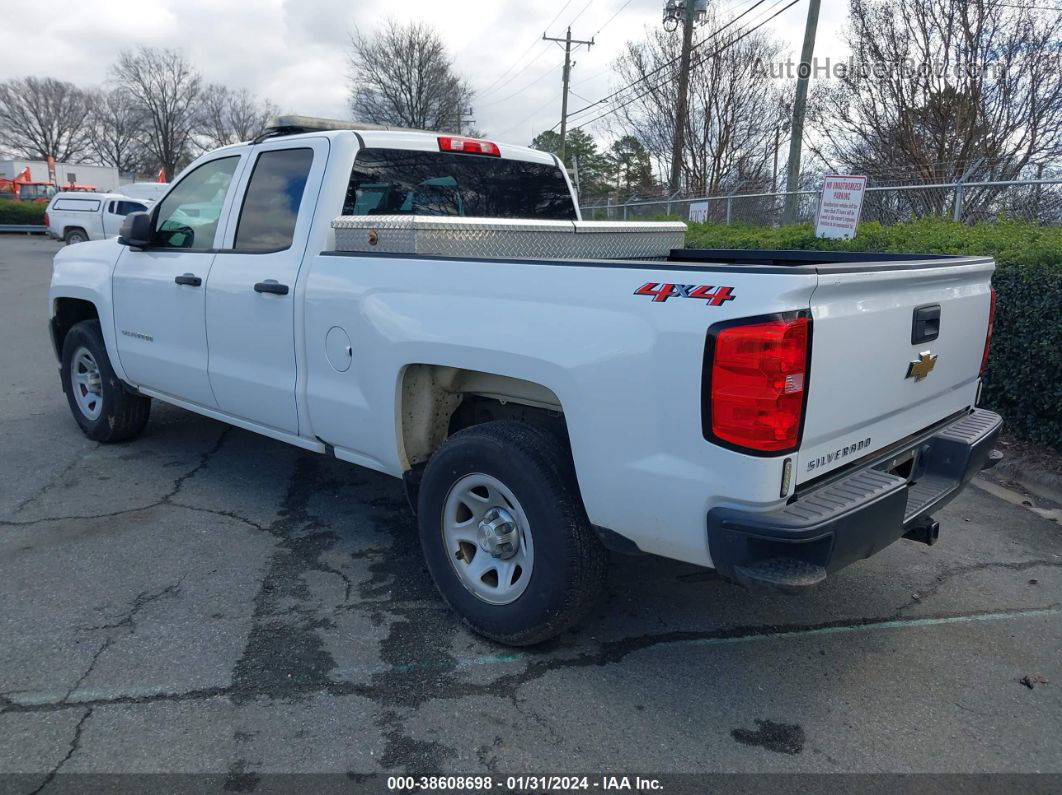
{"x": 228, "y": 117}
{"x": 403, "y": 76}
{"x": 165, "y": 87}
{"x": 734, "y": 105}
{"x": 941, "y": 90}
{"x": 44, "y": 117}
{"x": 119, "y": 131}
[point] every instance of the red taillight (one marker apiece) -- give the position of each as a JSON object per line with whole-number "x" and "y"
{"x": 46, "y": 219}
{"x": 757, "y": 382}
{"x": 988, "y": 334}
{"x": 468, "y": 146}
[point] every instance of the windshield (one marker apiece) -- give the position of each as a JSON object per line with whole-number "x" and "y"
{"x": 403, "y": 182}
{"x": 36, "y": 192}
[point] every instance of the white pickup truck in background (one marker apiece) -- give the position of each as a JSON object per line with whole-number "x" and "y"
{"x": 77, "y": 216}
{"x": 434, "y": 308}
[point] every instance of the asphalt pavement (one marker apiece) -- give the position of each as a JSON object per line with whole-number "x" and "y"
{"x": 205, "y": 600}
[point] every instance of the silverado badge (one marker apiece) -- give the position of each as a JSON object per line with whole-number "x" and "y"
{"x": 922, "y": 366}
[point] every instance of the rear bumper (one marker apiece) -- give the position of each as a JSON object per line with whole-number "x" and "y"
{"x": 851, "y": 518}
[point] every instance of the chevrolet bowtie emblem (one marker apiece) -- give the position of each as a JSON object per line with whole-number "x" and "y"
{"x": 922, "y": 366}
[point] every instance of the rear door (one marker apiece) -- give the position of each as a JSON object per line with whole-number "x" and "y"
{"x": 895, "y": 349}
{"x": 250, "y": 300}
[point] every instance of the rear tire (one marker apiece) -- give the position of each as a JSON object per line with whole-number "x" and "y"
{"x": 73, "y": 236}
{"x": 549, "y": 568}
{"x": 104, "y": 409}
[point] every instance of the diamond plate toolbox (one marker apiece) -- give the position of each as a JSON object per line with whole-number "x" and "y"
{"x": 494, "y": 238}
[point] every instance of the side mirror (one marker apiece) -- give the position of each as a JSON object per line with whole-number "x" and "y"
{"x": 136, "y": 230}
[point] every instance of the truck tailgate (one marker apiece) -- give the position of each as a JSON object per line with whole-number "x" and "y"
{"x": 871, "y": 385}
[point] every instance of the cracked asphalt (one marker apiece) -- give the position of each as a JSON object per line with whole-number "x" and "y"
{"x": 204, "y": 600}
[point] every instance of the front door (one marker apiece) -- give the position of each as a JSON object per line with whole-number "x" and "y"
{"x": 159, "y": 292}
{"x": 250, "y": 298}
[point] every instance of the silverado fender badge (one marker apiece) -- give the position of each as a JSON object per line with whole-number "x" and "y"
{"x": 715, "y": 296}
{"x": 922, "y": 366}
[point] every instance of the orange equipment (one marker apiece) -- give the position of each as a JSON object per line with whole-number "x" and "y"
{"x": 23, "y": 188}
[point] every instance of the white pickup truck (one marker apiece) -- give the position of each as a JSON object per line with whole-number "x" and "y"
{"x": 75, "y": 217}
{"x": 434, "y": 308}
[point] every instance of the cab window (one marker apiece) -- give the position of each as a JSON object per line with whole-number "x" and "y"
{"x": 406, "y": 182}
{"x": 271, "y": 205}
{"x": 188, "y": 216}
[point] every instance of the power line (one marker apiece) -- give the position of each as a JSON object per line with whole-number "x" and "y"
{"x": 572, "y": 21}
{"x": 700, "y": 60}
{"x": 607, "y": 69}
{"x": 530, "y": 115}
{"x": 674, "y": 60}
{"x": 550, "y": 24}
{"x": 537, "y": 80}
{"x": 522, "y": 69}
{"x": 612, "y": 18}
{"x": 512, "y": 66}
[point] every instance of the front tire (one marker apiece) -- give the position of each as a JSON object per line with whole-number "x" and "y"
{"x": 505, "y": 534}
{"x": 100, "y": 403}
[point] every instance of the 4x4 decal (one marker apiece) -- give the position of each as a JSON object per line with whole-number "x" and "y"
{"x": 715, "y": 296}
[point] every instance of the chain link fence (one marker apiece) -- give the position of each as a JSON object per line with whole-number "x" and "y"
{"x": 969, "y": 202}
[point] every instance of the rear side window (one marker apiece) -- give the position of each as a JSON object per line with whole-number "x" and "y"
{"x": 271, "y": 206}
{"x": 124, "y": 208}
{"x": 77, "y": 205}
{"x": 403, "y": 182}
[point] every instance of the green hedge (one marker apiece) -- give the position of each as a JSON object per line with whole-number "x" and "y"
{"x": 12, "y": 212}
{"x": 1024, "y": 380}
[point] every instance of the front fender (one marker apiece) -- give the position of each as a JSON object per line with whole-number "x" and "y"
{"x": 84, "y": 272}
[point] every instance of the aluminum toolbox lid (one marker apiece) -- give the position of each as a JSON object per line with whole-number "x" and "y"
{"x": 506, "y": 238}
{"x": 447, "y": 223}
{"x": 630, "y": 227}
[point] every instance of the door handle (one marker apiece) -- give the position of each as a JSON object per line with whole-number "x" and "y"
{"x": 271, "y": 286}
{"x": 188, "y": 278}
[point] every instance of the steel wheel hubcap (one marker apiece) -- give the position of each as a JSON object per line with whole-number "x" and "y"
{"x": 488, "y": 538}
{"x": 87, "y": 383}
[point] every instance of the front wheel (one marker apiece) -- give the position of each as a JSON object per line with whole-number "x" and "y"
{"x": 100, "y": 403}
{"x": 505, "y": 534}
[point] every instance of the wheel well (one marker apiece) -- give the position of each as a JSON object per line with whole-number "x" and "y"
{"x": 437, "y": 401}
{"x": 68, "y": 312}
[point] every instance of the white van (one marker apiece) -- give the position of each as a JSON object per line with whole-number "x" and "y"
{"x": 75, "y": 216}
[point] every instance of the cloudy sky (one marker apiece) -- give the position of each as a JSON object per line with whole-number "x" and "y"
{"x": 295, "y": 51}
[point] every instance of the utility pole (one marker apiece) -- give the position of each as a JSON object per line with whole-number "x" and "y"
{"x": 774, "y": 170}
{"x": 800, "y": 105}
{"x": 461, "y": 120}
{"x": 568, "y": 42}
{"x": 683, "y": 89}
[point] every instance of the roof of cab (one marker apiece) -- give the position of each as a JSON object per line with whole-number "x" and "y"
{"x": 384, "y": 136}
{"x": 89, "y": 194}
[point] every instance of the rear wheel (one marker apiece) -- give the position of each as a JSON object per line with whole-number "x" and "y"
{"x": 505, "y": 534}
{"x": 75, "y": 236}
{"x": 100, "y": 403}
